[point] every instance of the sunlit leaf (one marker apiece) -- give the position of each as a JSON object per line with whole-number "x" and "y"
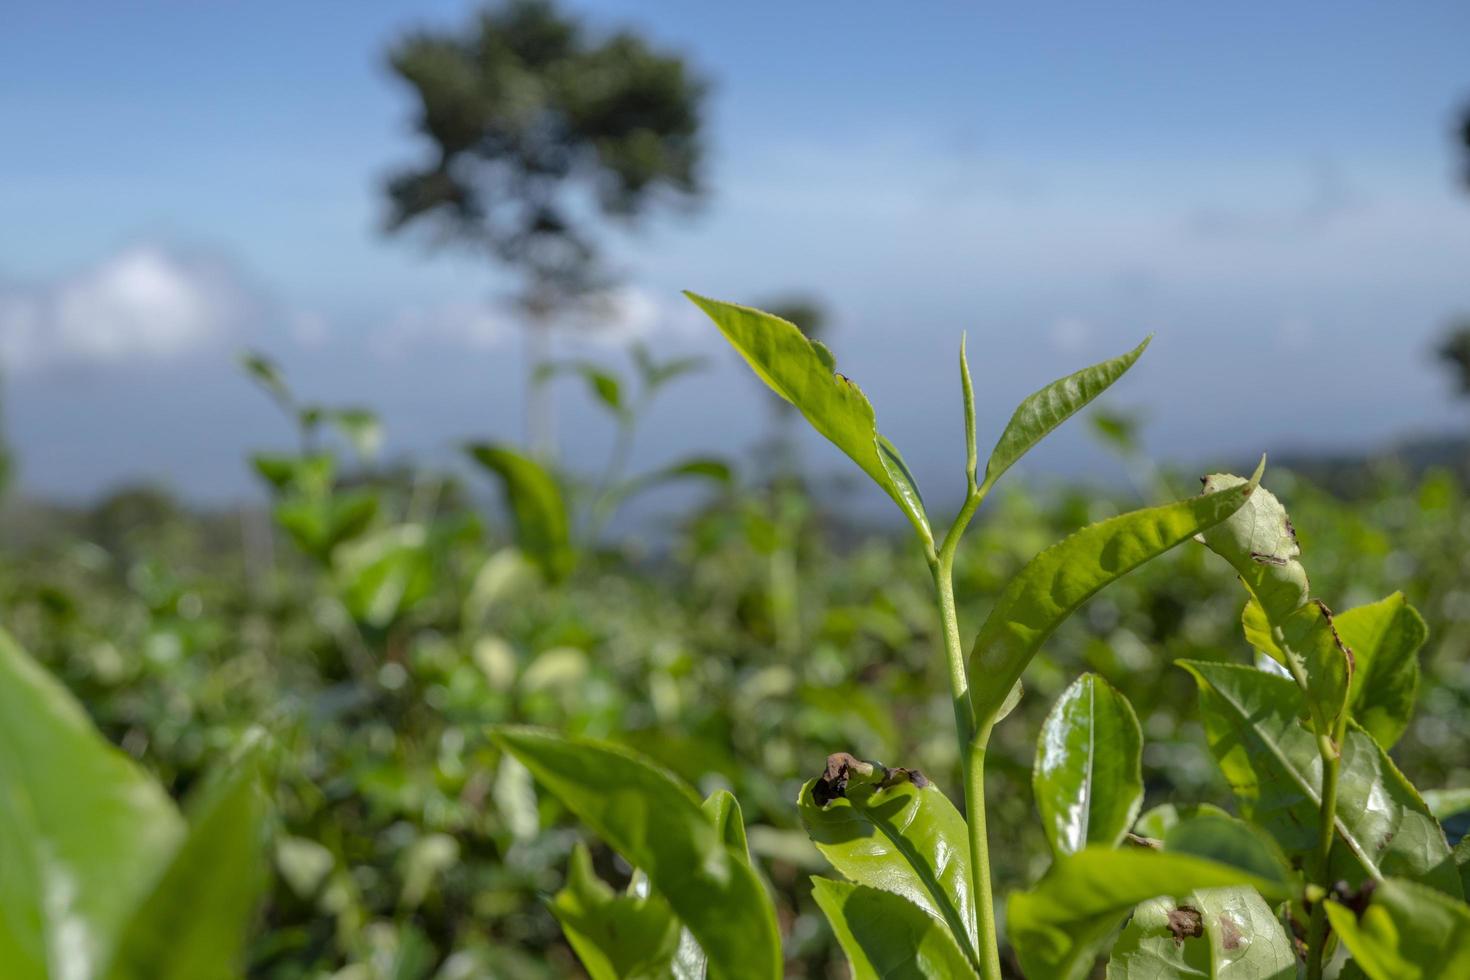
{"x": 1059, "y": 925}
{"x": 802, "y": 372}
{"x": 616, "y": 936}
{"x": 886, "y": 937}
{"x": 1042, "y": 411}
{"x": 543, "y": 527}
{"x": 1260, "y": 543}
{"x": 194, "y": 922}
{"x": 1217, "y": 933}
{"x": 1446, "y": 803}
{"x": 894, "y": 830}
{"x": 1385, "y": 638}
{"x": 659, "y": 826}
{"x": 1407, "y": 932}
{"x": 1088, "y": 776}
{"x": 1272, "y": 764}
{"x": 83, "y": 830}
{"x": 1051, "y": 587}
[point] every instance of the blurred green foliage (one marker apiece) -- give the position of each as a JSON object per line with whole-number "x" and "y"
{"x": 377, "y": 621}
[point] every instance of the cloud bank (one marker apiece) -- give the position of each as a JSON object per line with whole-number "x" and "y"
{"x": 143, "y": 303}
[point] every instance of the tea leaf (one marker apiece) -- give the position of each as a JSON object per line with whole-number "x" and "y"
{"x": 1088, "y": 776}
{"x": 194, "y": 923}
{"x": 658, "y": 825}
{"x": 886, "y": 936}
{"x": 1221, "y": 933}
{"x": 1221, "y": 837}
{"x": 1059, "y": 924}
{"x": 1407, "y": 932}
{"x": 1385, "y": 638}
{"x": 616, "y": 936}
{"x": 894, "y": 830}
{"x": 1051, "y": 587}
{"x": 1260, "y": 544}
{"x": 1042, "y": 411}
{"x": 1272, "y": 764}
{"x": 543, "y": 529}
{"x": 801, "y": 371}
{"x": 1446, "y": 803}
{"x": 83, "y": 830}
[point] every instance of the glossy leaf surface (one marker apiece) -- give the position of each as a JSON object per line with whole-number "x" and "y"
{"x": 1088, "y": 775}
{"x": 83, "y": 831}
{"x": 802, "y": 372}
{"x": 1216, "y": 933}
{"x": 659, "y": 826}
{"x": 1407, "y": 932}
{"x": 1043, "y": 410}
{"x": 895, "y": 835}
{"x": 886, "y": 936}
{"x": 616, "y": 936}
{"x": 1058, "y": 926}
{"x": 1272, "y": 764}
{"x": 1385, "y": 638}
{"x": 1051, "y": 587}
{"x": 194, "y": 923}
{"x": 543, "y": 529}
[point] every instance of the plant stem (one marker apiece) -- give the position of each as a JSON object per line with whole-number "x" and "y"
{"x": 1331, "y": 754}
{"x": 972, "y": 744}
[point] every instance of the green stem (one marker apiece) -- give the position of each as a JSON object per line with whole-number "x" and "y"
{"x": 972, "y": 744}
{"x": 1327, "y": 832}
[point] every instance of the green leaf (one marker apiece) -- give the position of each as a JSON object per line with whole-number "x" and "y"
{"x": 801, "y": 371}
{"x": 83, "y": 831}
{"x": 1221, "y": 837}
{"x": 1385, "y": 638}
{"x": 1219, "y": 933}
{"x": 361, "y": 428}
{"x": 723, "y": 809}
{"x": 267, "y": 374}
{"x": 1044, "y": 410}
{"x": 1088, "y": 776}
{"x": 194, "y": 923}
{"x": 1272, "y": 764}
{"x": 1051, "y": 587}
{"x": 887, "y": 937}
{"x": 710, "y": 468}
{"x": 602, "y": 384}
{"x": 1260, "y": 543}
{"x": 617, "y": 937}
{"x": 658, "y": 826}
{"x": 1407, "y": 932}
{"x": 1058, "y": 926}
{"x": 543, "y": 529}
{"x": 1462, "y": 863}
{"x": 1446, "y": 803}
{"x": 892, "y": 829}
{"x": 1156, "y": 821}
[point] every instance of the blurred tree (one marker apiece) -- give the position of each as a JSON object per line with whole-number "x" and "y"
{"x": 7, "y": 467}
{"x": 1454, "y": 352}
{"x": 535, "y": 129}
{"x": 1465, "y": 144}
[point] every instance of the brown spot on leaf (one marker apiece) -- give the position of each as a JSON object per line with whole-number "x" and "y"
{"x": 833, "y": 781}
{"x": 1185, "y": 922}
{"x": 1230, "y": 935}
{"x": 1352, "y": 661}
{"x": 892, "y": 777}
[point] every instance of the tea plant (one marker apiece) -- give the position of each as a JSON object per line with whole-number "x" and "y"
{"x": 1332, "y": 833}
{"x": 101, "y": 876}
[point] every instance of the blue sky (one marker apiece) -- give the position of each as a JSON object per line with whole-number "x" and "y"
{"x": 1269, "y": 188}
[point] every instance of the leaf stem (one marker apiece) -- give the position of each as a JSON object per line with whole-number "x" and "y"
{"x": 1330, "y": 750}
{"x": 972, "y": 743}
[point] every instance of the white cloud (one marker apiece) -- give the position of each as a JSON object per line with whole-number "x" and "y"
{"x": 472, "y": 326}
{"x": 142, "y": 303}
{"x": 612, "y": 319}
